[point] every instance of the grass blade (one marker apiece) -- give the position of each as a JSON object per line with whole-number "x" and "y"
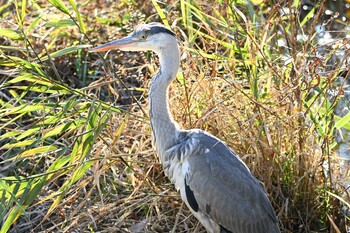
{"x": 60, "y": 5}
{"x": 343, "y": 122}
{"x": 65, "y": 51}
{"x": 11, "y": 33}
{"x": 80, "y": 20}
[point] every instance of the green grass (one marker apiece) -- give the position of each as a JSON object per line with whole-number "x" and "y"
{"x": 75, "y": 142}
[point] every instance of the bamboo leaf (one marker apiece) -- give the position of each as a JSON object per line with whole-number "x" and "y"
{"x": 181, "y": 79}
{"x": 60, "y": 23}
{"x": 10, "y": 134}
{"x": 183, "y": 12}
{"x": 31, "y": 78}
{"x": 13, "y": 187}
{"x": 60, "y": 5}
{"x": 161, "y": 13}
{"x": 57, "y": 165}
{"x": 346, "y": 202}
{"x": 11, "y": 120}
{"x": 54, "y": 89}
{"x": 343, "y": 122}
{"x": 13, "y": 48}
{"x": 31, "y": 131}
{"x": 28, "y": 108}
{"x": 81, "y": 149}
{"x": 11, "y": 218}
{"x": 13, "y": 61}
{"x": 62, "y": 128}
{"x": 33, "y": 24}
{"x": 307, "y": 18}
{"x": 28, "y": 196}
{"x": 23, "y": 10}
{"x": 81, "y": 170}
{"x": 18, "y": 144}
{"x": 65, "y": 51}
{"x": 35, "y": 151}
{"x": 80, "y": 20}
{"x": 50, "y": 120}
{"x": 4, "y": 6}
{"x": 11, "y": 34}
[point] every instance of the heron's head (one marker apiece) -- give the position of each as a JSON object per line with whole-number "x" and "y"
{"x": 152, "y": 36}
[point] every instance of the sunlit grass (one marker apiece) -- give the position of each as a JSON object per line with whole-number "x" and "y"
{"x": 75, "y": 142}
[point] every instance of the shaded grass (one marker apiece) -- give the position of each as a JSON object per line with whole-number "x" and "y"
{"x": 72, "y": 161}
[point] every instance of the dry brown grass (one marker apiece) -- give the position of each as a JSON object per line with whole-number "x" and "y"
{"x": 125, "y": 189}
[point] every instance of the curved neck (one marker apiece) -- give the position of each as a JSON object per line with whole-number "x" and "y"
{"x": 164, "y": 128}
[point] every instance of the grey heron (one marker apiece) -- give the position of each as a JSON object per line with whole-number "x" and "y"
{"x": 213, "y": 181}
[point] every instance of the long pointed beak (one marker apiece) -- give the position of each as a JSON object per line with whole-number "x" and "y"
{"x": 125, "y": 42}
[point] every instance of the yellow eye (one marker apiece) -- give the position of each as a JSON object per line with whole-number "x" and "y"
{"x": 143, "y": 36}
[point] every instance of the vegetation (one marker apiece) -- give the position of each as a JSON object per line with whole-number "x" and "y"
{"x": 75, "y": 144}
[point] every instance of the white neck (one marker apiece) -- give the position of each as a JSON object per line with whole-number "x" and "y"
{"x": 164, "y": 128}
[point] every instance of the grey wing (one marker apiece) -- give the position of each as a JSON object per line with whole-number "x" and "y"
{"x": 220, "y": 185}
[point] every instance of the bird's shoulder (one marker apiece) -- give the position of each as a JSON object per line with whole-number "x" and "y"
{"x": 196, "y": 144}
{"x": 206, "y": 158}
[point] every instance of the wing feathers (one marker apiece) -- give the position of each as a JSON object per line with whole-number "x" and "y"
{"x": 220, "y": 185}
{"x": 190, "y": 198}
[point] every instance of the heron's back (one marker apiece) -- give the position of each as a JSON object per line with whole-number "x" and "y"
{"x": 216, "y": 183}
